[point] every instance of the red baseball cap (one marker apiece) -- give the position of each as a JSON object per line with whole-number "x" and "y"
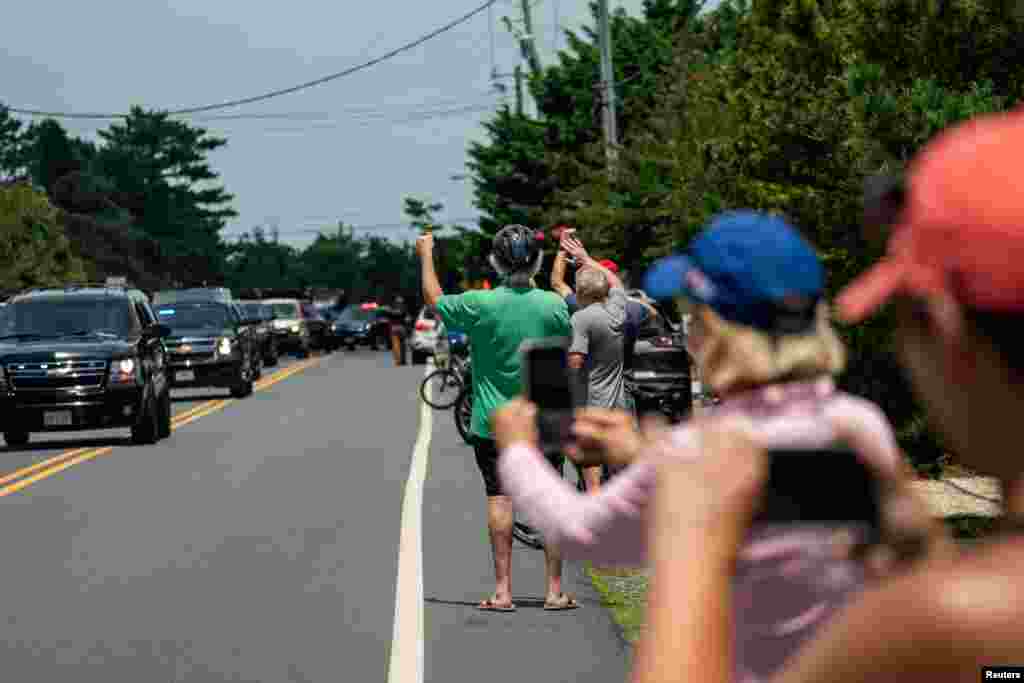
{"x": 610, "y": 265}
{"x": 961, "y": 230}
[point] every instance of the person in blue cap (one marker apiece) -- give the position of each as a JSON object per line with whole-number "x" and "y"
{"x": 761, "y": 338}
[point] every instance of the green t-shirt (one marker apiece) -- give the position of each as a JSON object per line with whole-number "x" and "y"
{"x": 497, "y": 321}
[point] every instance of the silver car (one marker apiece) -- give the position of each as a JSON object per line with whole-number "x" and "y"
{"x": 425, "y": 334}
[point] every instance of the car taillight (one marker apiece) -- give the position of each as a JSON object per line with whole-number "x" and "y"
{"x": 663, "y": 342}
{"x": 424, "y": 325}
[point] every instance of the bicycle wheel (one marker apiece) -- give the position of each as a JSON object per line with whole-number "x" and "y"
{"x": 440, "y": 389}
{"x": 464, "y": 414}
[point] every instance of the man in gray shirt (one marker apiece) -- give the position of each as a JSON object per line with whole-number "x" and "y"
{"x": 597, "y": 337}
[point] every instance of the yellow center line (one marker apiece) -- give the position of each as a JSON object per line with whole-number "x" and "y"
{"x": 28, "y": 481}
{"x": 41, "y": 464}
{"x": 51, "y": 466}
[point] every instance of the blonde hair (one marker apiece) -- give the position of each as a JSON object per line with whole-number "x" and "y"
{"x": 592, "y": 284}
{"x": 732, "y": 356}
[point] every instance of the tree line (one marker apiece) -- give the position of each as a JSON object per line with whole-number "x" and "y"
{"x": 780, "y": 105}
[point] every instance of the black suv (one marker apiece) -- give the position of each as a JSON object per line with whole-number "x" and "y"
{"x": 79, "y": 358}
{"x": 363, "y": 325}
{"x": 264, "y": 314}
{"x": 211, "y": 345}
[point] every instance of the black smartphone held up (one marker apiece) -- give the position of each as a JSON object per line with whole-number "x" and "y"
{"x": 828, "y": 486}
{"x": 548, "y": 386}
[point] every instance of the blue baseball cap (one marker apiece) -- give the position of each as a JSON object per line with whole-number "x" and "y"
{"x": 750, "y": 267}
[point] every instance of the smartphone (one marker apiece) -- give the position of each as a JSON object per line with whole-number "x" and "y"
{"x": 548, "y": 385}
{"x": 829, "y": 487}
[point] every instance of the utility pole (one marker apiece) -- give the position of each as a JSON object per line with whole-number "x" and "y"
{"x": 519, "y": 90}
{"x": 528, "y": 43}
{"x": 529, "y": 54}
{"x": 608, "y": 119}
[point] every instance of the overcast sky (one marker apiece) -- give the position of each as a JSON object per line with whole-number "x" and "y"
{"x": 348, "y": 150}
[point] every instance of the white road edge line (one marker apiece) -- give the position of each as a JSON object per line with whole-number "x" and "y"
{"x": 407, "y": 655}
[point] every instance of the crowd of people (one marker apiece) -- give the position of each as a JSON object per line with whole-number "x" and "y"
{"x": 732, "y": 597}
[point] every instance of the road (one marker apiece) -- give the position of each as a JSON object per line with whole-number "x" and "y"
{"x": 261, "y": 542}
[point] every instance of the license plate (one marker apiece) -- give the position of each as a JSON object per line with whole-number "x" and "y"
{"x": 185, "y": 376}
{"x": 57, "y": 418}
{"x": 644, "y": 374}
{"x": 350, "y": 340}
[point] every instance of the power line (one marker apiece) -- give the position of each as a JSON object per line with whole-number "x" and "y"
{"x": 427, "y": 116}
{"x": 368, "y": 118}
{"x": 356, "y": 111}
{"x": 274, "y": 93}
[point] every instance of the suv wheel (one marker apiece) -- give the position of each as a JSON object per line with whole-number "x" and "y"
{"x": 164, "y": 430}
{"x": 244, "y": 386}
{"x": 14, "y": 438}
{"x": 147, "y": 429}
{"x": 270, "y": 360}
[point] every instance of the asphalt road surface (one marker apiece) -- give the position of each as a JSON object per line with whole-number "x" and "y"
{"x": 260, "y": 543}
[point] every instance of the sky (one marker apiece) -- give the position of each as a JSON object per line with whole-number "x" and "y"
{"x": 349, "y": 150}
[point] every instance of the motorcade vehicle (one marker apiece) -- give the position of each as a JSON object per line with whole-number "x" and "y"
{"x": 659, "y": 378}
{"x": 83, "y": 357}
{"x": 290, "y": 326}
{"x": 319, "y": 327}
{"x": 211, "y": 345}
{"x": 425, "y": 334}
{"x": 262, "y": 316}
{"x": 365, "y": 324}
{"x": 330, "y": 312}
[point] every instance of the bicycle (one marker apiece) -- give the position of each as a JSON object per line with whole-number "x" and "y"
{"x": 442, "y": 388}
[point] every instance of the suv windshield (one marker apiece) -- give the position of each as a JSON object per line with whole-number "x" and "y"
{"x": 70, "y": 316}
{"x": 357, "y": 314}
{"x": 172, "y": 295}
{"x": 286, "y": 310}
{"x": 254, "y": 311}
{"x": 194, "y": 315}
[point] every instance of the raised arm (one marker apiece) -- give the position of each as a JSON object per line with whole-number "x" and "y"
{"x": 558, "y": 274}
{"x": 428, "y": 276}
{"x": 575, "y": 248}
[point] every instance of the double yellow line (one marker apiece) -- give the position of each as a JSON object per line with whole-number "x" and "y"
{"x": 26, "y": 476}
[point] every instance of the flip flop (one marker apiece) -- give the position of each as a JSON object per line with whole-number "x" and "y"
{"x": 570, "y": 603}
{"x": 489, "y": 605}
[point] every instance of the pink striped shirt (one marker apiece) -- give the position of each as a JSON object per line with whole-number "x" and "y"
{"x": 786, "y": 584}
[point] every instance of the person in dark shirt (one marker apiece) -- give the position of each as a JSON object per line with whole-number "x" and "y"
{"x": 398, "y": 319}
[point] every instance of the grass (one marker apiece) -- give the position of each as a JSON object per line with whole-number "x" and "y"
{"x": 627, "y": 607}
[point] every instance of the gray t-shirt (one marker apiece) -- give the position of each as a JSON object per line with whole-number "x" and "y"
{"x": 597, "y": 331}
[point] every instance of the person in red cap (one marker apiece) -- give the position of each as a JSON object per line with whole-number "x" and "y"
{"x": 954, "y": 278}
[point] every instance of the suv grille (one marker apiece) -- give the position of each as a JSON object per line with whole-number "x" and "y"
{"x": 191, "y": 349}
{"x": 57, "y": 374}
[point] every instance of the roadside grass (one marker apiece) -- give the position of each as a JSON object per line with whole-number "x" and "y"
{"x": 624, "y": 591}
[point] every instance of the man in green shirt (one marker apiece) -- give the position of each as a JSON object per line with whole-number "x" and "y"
{"x": 497, "y": 322}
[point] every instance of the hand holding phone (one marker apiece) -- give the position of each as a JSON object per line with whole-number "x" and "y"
{"x": 822, "y": 486}
{"x": 548, "y": 386}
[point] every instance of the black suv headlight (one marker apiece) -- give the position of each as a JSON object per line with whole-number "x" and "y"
{"x": 124, "y": 371}
{"x": 225, "y": 345}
